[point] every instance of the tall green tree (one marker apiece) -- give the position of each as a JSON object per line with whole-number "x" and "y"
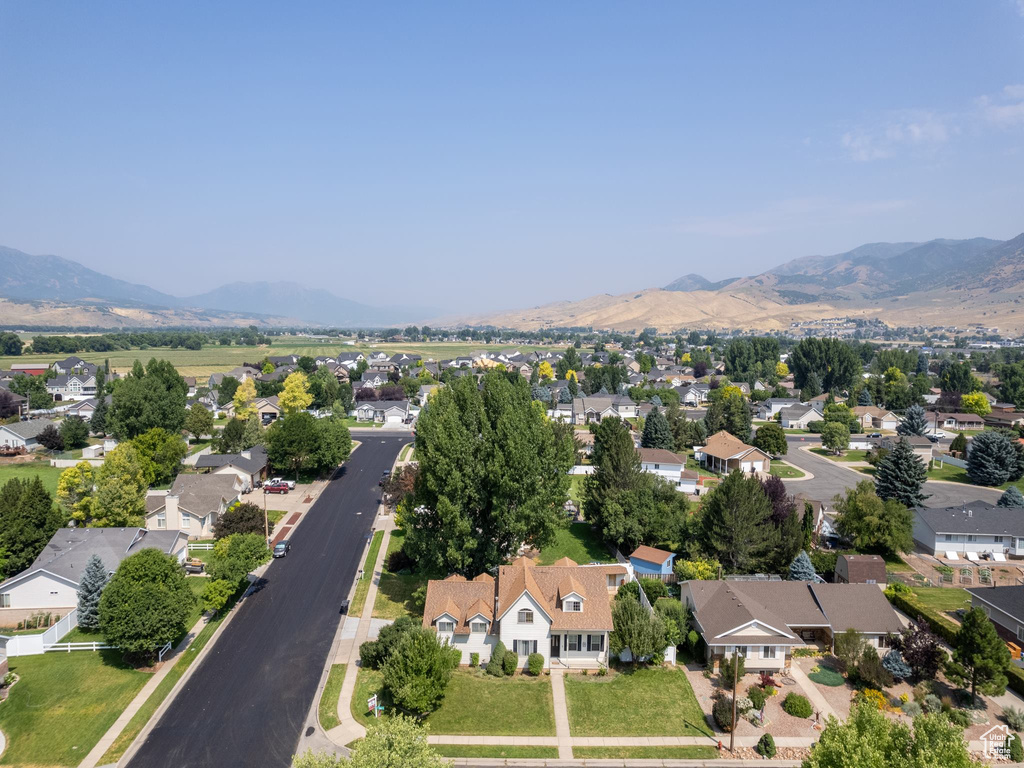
{"x": 833, "y": 361}
{"x": 147, "y": 398}
{"x": 801, "y": 569}
{"x": 145, "y": 604}
{"x": 120, "y": 499}
{"x": 901, "y": 475}
{"x": 28, "y": 519}
{"x": 874, "y": 523}
{"x": 292, "y": 442}
{"x": 74, "y": 432}
{"x": 657, "y": 433}
{"x": 957, "y": 377}
{"x": 980, "y": 657}
{"x": 992, "y": 459}
{"x": 735, "y": 525}
{"x": 914, "y": 423}
{"x": 730, "y": 412}
{"x": 160, "y": 453}
{"x": 254, "y": 433}
{"x": 642, "y": 632}
{"x": 418, "y": 670}
{"x": 771, "y": 439}
{"x": 94, "y": 579}
{"x": 232, "y": 437}
{"x": 198, "y": 421}
{"x": 835, "y": 437}
{"x": 334, "y": 443}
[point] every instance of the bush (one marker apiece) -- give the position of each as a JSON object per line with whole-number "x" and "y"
{"x": 766, "y": 746}
{"x": 535, "y": 663}
{"x": 874, "y": 698}
{"x": 921, "y": 690}
{"x": 743, "y": 704}
{"x": 725, "y": 666}
{"x": 722, "y": 712}
{"x": 872, "y": 671}
{"x": 911, "y": 708}
{"x": 757, "y": 696}
{"x": 1016, "y": 749}
{"x": 474, "y": 659}
{"x": 1014, "y": 718}
{"x": 959, "y": 718}
{"x": 510, "y": 663}
{"x": 826, "y": 676}
{"x": 692, "y": 638}
{"x": 765, "y": 680}
{"x": 932, "y": 703}
{"x": 373, "y": 653}
{"x": 797, "y": 705}
{"x": 653, "y": 588}
{"x": 399, "y": 561}
{"x": 496, "y": 665}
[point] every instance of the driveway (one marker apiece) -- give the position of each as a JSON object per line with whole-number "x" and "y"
{"x": 831, "y": 477}
{"x": 246, "y": 703}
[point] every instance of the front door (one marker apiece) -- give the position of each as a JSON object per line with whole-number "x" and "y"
{"x": 555, "y": 646}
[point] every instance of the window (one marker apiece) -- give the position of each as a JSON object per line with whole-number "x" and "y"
{"x": 883, "y": 641}
{"x": 741, "y": 650}
{"x": 595, "y": 642}
{"x": 997, "y": 539}
{"x": 1020, "y": 630}
{"x": 446, "y": 626}
{"x": 526, "y": 616}
{"x": 5, "y": 600}
{"x": 186, "y": 521}
{"x": 971, "y": 537}
{"x": 524, "y": 647}
{"x": 657, "y": 466}
{"x": 572, "y": 642}
{"x": 947, "y": 537}
{"x": 478, "y": 626}
{"x": 573, "y": 606}
{"x": 768, "y": 652}
{"x": 161, "y": 519}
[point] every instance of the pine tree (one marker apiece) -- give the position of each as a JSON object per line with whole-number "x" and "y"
{"x": 865, "y": 398}
{"x": 914, "y": 422}
{"x": 991, "y": 460}
{"x": 657, "y": 433}
{"x": 98, "y": 421}
{"x": 895, "y": 665}
{"x": 656, "y": 401}
{"x": 801, "y": 569}
{"x": 254, "y": 433}
{"x": 1011, "y": 498}
{"x": 812, "y": 387}
{"x": 959, "y": 444}
{"x": 980, "y": 657}
{"x": 900, "y": 475}
{"x": 807, "y": 524}
{"x": 89, "y": 589}
{"x": 735, "y": 525}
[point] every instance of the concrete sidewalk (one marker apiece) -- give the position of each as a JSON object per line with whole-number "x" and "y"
{"x": 562, "y": 735}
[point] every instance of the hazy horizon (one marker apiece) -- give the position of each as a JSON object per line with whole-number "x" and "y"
{"x": 497, "y": 157}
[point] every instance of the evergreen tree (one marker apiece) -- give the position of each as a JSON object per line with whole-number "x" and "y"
{"x": 74, "y": 432}
{"x": 801, "y": 568}
{"x": 864, "y": 398}
{"x": 565, "y": 395}
{"x": 811, "y": 388}
{"x": 98, "y": 420}
{"x": 914, "y": 423}
{"x": 900, "y": 476}
{"x": 1011, "y": 498}
{"x": 94, "y": 579}
{"x": 735, "y": 524}
{"x": 657, "y": 433}
{"x": 980, "y": 657}
{"x": 807, "y": 524}
{"x": 656, "y": 401}
{"x": 959, "y": 444}
{"x": 895, "y": 665}
{"x": 992, "y": 459}
{"x": 254, "y": 434}
{"x": 28, "y": 518}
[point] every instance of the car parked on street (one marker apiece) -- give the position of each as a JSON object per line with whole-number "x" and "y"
{"x": 275, "y": 488}
{"x": 282, "y": 548}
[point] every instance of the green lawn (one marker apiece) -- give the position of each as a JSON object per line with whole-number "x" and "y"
{"x": 79, "y": 635}
{"x": 785, "y": 471}
{"x": 363, "y": 585}
{"x": 62, "y": 704}
{"x": 477, "y": 704}
{"x": 645, "y": 702}
{"x": 49, "y": 475}
{"x": 576, "y": 488}
{"x": 275, "y": 515}
{"x": 942, "y": 599}
{"x": 645, "y": 753}
{"x": 406, "y": 450}
{"x": 394, "y": 592}
{"x": 856, "y": 455}
{"x": 952, "y": 474}
{"x": 496, "y": 752}
{"x": 329, "y": 697}
{"x": 156, "y": 698}
{"x": 579, "y": 542}
{"x": 198, "y": 584}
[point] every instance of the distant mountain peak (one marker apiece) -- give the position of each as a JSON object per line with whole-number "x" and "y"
{"x": 695, "y": 282}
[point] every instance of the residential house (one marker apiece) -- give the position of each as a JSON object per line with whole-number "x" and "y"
{"x": 695, "y": 394}
{"x": 425, "y": 391}
{"x": 74, "y": 365}
{"x": 23, "y": 434}
{"x": 50, "y": 584}
{"x": 957, "y": 422}
{"x": 383, "y": 411}
{"x": 977, "y": 527}
{"x": 190, "y": 382}
{"x": 652, "y": 563}
{"x": 194, "y": 504}
{"x": 561, "y": 611}
{"x": 670, "y": 466}
{"x": 922, "y": 446}
{"x": 1005, "y": 608}
{"x": 765, "y": 621}
{"x": 19, "y": 400}
{"x": 799, "y": 416}
{"x": 71, "y": 386}
{"x": 860, "y": 569}
{"x": 593, "y": 408}
{"x": 767, "y": 409}
{"x": 241, "y": 373}
{"x": 249, "y": 465}
{"x": 1008, "y": 419}
{"x": 722, "y": 452}
{"x": 873, "y": 417}
{"x": 372, "y": 380}
{"x": 29, "y": 369}
{"x": 84, "y": 409}
{"x": 267, "y": 408}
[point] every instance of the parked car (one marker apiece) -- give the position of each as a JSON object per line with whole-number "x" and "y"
{"x": 275, "y": 488}
{"x": 344, "y": 607}
{"x": 282, "y": 548}
{"x": 875, "y": 434}
{"x": 279, "y": 480}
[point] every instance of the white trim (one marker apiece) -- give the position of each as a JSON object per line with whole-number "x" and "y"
{"x": 762, "y": 624}
{"x": 26, "y": 574}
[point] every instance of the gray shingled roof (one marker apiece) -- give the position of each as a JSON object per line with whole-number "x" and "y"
{"x": 28, "y": 429}
{"x": 69, "y": 550}
{"x": 974, "y": 517}
{"x": 1009, "y": 599}
{"x": 202, "y": 495}
{"x": 252, "y": 465}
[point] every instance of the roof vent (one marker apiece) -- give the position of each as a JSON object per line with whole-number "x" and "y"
{"x": 970, "y": 513}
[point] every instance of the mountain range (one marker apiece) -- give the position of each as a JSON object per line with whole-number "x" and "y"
{"x": 942, "y": 283}
{"x": 51, "y": 290}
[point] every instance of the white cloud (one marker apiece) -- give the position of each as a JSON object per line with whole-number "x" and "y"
{"x": 1005, "y": 109}
{"x": 1020, "y": 7}
{"x": 799, "y": 213}
{"x": 918, "y": 130}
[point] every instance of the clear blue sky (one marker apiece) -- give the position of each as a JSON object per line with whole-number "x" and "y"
{"x": 490, "y": 155}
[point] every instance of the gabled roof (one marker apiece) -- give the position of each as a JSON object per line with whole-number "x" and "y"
{"x": 252, "y": 464}
{"x": 202, "y": 495}
{"x": 651, "y": 554}
{"x": 977, "y": 517}
{"x": 723, "y": 445}
{"x": 1008, "y": 599}
{"x": 660, "y": 456}
{"x": 27, "y": 430}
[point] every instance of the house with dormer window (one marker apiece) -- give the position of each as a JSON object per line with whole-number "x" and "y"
{"x": 561, "y": 611}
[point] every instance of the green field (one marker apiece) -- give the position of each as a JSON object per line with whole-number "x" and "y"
{"x": 942, "y": 599}
{"x": 50, "y": 475}
{"x": 213, "y": 358}
{"x": 62, "y": 704}
{"x": 951, "y": 474}
{"x": 579, "y": 542}
{"x": 856, "y": 455}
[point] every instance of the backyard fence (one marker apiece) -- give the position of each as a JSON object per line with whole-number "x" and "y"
{"x": 201, "y": 545}
{"x": 35, "y": 644}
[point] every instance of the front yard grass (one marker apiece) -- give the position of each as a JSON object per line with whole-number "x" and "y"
{"x": 363, "y": 585}
{"x": 951, "y": 474}
{"x": 49, "y": 475}
{"x": 579, "y": 542}
{"x": 395, "y": 590}
{"x": 642, "y": 702}
{"x": 645, "y": 753}
{"x": 496, "y": 752}
{"x": 328, "y": 709}
{"x": 785, "y": 471}
{"x": 406, "y": 450}
{"x": 63, "y": 703}
{"x": 576, "y": 489}
{"x": 855, "y": 455}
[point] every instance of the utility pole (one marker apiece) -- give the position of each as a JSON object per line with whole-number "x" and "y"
{"x": 735, "y": 685}
{"x": 266, "y": 521}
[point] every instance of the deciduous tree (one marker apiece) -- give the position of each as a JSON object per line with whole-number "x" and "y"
{"x": 76, "y": 491}
{"x": 418, "y": 670}
{"x": 295, "y": 395}
{"x": 232, "y": 437}
{"x": 160, "y": 453}
{"x": 121, "y": 487}
{"x": 872, "y": 522}
{"x": 147, "y": 398}
{"x": 975, "y": 402}
{"x": 243, "y": 397}
{"x": 241, "y": 517}
{"x": 835, "y": 436}
{"x": 292, "y": 442}
{"x": 771, "y": 439}
{"x": 74, "y": 432}
{"x": 643, "y": 633}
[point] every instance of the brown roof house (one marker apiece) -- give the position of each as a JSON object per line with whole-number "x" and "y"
{"x": 723, "y": 453}
{"x": 764, "y": 621}
{"x": 860, "y": 569}
{"x": 561, "y": 611}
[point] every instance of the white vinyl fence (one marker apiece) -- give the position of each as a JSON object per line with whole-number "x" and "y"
{"x": 46, "y": 642}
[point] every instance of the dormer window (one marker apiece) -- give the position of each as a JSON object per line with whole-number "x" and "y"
{"x": 573, "y": 606}
{"x": 526, "y": 616}
{"x": 478, "y": 627}
{"x": 446, "y": 626}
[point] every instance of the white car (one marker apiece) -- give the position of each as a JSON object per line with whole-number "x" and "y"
{"x": 277, "y": 480}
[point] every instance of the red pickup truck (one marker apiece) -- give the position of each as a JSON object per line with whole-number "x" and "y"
{"x": 275, "y": 488}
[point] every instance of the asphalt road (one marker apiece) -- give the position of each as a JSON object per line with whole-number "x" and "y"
{"x": 830, "y": 478}
{"x": 246, "y": 703}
